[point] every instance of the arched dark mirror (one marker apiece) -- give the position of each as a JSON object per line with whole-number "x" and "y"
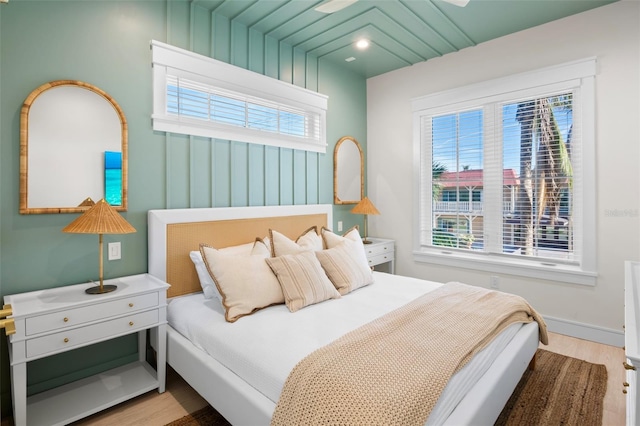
{"x": 348, "y": 172}
{"x": 73, "y": 146}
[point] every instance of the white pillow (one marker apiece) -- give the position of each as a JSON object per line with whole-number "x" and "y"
{"x": 206, "y": 282}
{"x": 332, "y": 240}
{"x": 239, "y": 250}
{"x": 309, "y": 240}
{"x": 245, "y": 283}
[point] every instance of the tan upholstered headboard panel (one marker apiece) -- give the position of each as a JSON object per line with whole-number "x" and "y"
{"x": 185, "y": 237}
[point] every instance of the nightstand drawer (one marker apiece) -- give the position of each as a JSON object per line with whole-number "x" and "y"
{"x": 377, "y": 249}
{"x": 62, "y": 319}
{"x": 381, "y": 258}
{"x": 93, "y": 333}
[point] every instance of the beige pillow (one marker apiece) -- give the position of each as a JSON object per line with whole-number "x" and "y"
{"x": 331, "y": 240}
{"x": 245, "y": 283}
{"x": 346, "y": 266}
{"x": 302, "y": 279}
{"x": 281, "y": 244}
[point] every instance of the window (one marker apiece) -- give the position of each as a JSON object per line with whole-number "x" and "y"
{"x": 197, "y": 95}
{"x": 506, "y": 175}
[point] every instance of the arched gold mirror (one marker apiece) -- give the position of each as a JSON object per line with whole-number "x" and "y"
{"x": 73, "y": 146}
{"x": 348, "y": 172}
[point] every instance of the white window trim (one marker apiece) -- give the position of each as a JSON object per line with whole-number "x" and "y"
{"x": 572, "y": 74}
{"x": 171, "y": 60}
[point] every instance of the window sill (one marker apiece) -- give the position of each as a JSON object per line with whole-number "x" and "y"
{"x": 504, "y": 265}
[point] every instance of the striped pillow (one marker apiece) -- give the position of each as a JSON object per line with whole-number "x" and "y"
{"x": 302, "y": 279}
{"x": 346, "y": 266}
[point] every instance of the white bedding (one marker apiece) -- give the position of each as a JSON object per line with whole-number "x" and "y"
{"x": 263, "y": 348}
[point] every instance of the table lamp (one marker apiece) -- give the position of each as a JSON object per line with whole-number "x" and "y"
{"x": 365, "y": 207}
{"x": 100, "y": 219}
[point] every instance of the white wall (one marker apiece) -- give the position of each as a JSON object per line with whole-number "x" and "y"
{"x": 611, "y": 34}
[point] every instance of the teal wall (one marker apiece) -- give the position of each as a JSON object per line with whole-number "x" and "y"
{"x": 106, "y": 43}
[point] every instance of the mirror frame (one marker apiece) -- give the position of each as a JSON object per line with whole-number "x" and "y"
{"x": 336, "y": 199}
{"x": 24, "y": 148}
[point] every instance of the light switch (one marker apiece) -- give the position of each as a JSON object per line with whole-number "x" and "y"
{"x": 114, "y": 251}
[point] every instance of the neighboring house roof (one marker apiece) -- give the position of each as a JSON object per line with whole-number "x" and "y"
{"x": 474, "y": 178}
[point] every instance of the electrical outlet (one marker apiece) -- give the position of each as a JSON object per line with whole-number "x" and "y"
{"x": 339, "y": 226}
{"x": 494, "y": 282}
{"x": 114, "y": 251}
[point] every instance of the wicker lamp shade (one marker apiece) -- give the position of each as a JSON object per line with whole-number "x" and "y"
{"x": 365, "y": 207}
{"x": 100, "y": 219}
{"x": 87, "y": 202}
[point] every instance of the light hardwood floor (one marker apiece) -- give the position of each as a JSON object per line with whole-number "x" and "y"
{"x": 153, "y": 409}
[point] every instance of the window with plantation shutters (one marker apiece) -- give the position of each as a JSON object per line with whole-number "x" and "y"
{"x": 505, "y": 177}
{"x": 200, "y": 96}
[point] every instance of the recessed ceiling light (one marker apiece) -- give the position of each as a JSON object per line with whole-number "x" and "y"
{"x": 459, "y": 3}
{"x": 350, "y": 59}
{"x": 362, "y": 44}
{"x": 334, "y": 5}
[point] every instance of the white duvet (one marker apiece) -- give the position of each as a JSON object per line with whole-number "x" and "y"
{"x": 264, "y": 347}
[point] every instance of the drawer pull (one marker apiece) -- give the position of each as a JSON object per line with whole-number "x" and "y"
{"x": 131, "y": 305}
{"x": 65, "y": 319}
{"x": 625, "y": 384}
{"x": 624, "y": 391}
{"x": 131, "y": 323}
{"x": 628, "y": 366}
{"x": 8, "y": 324}
{"x": 66, "y": 340}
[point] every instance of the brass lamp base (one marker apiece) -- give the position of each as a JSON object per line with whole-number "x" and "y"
{"x": 100, "y": 290}
{"x": 365, "y": 241}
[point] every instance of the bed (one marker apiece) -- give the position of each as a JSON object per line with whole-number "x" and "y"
{"x": 248, "y": 395}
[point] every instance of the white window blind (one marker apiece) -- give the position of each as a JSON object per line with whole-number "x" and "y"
{"x": 502, "y": 177}
{"x": 538, "y": 190}
{"x": 197, "y": 95}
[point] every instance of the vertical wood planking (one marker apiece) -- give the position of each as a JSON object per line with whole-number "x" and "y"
{"x": 239, "y": 174}
{"x": 286, "y": 63}
{"x": 201, "y": 21}
{"x": 201, "y": 182}
{"x": 298, "y": 68}
{"x": 178, "y": 23}
{"x": 256, "y": 51}
{"x": 299, "y": 177}
{"x": 313, "y": 196}
{"x": 239, "y": 45}
{"x": 222, "y": 38}
{"x": 178, "y": 181}
{"x": 311, "y": 70}
{"x": 204, "y": 172}
{"x": 271, "y": 55}
{"x": 272, "y": 175}
{"x": 286, "y": 176}
{"x": 222, "y": 173}
{"x": 257, "y": 175}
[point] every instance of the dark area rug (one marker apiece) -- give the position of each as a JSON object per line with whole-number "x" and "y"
{"x": 560, "y": 391}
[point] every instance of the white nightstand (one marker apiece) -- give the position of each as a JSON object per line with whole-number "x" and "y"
{"x": 381, "y": 251}
{"x": 56, "y": 320}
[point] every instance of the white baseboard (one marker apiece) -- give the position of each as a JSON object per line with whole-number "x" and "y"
{"x": 585, "y": 331}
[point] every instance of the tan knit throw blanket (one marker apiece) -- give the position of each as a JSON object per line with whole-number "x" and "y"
{"x": 392, "y": 370}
